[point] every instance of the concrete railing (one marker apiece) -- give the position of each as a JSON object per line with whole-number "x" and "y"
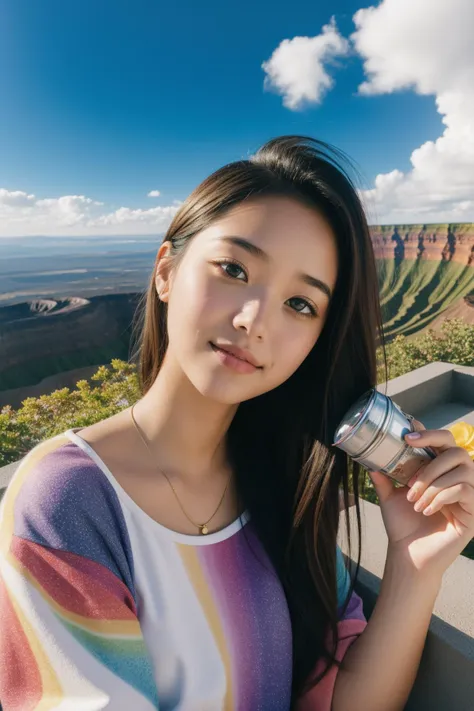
{"x": 445, "y": 680}
{"x": 437, "y": 395}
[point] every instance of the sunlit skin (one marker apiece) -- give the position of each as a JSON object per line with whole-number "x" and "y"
{"x": 225, "y": 294}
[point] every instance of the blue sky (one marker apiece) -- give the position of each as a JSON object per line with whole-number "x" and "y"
{"x": 110, "y": 101}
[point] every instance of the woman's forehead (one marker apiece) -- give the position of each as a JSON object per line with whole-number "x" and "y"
{"x": 273, "y": 220}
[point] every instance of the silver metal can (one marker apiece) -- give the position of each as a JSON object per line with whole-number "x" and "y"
{"x": 372, "y": 433}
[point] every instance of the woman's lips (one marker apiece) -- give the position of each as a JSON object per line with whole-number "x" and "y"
{"x": 232, "y": 361}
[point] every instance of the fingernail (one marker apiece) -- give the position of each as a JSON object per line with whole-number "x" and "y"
{"x": 414, "y": 435}
{"x": 413, "y": 493}
{"x": 427, "y": 511}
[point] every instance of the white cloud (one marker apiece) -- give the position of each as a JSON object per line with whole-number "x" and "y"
{"x": 22, "y": 214}
{"x": 15, "y": 198}
{"x": 297, "y": 71}
{"x": 425, "y": 46}
{"x": 156, "y": 217}
{"x": 154, "y": 193}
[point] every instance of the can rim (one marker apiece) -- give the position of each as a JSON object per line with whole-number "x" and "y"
{"x": 362, "y": 417}
{"x": 384, "y": 428}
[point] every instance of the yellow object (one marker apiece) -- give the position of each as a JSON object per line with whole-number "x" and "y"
{"x": 463, "y": 434}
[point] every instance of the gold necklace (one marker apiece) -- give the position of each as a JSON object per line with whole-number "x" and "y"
{"x": 203, "y": 529}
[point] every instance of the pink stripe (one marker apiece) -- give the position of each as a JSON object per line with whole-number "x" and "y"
{"x": 18, "y": 666}
{"x": 319, "y": 698}
{"x": 68, "y": 578}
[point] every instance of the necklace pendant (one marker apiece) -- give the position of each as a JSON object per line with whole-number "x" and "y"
{"x": 204, "y": 529}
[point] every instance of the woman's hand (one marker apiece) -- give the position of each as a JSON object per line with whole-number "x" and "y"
{"x": 430, "y": 538}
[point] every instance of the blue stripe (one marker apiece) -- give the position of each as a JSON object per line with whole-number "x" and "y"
{"x": 343, "y": 578}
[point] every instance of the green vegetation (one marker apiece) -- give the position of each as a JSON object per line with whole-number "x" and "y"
{"x": 453, "y": 344}
{"x": 112, "y": 388}
{"x": 115, "y": 387}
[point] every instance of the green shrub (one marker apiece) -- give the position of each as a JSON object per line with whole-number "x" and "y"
{"x": 111, "y": 389}
{"x": 453, "y": 344}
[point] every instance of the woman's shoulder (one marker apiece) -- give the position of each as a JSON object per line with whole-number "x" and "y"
{"x": 65, "y": 473}
{"x": 57, "y": 473}
{"x": 61, "y": 499}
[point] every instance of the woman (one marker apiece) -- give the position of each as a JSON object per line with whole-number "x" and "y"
{"x": 182, "y": 553}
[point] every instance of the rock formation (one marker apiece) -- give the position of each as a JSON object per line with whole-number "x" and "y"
{"x": 449, "y": 243}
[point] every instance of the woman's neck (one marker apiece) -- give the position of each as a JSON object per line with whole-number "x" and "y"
{"x": 185, "y": 431}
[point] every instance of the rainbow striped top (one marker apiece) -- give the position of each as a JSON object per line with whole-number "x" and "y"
{"x": 104, "y": 608}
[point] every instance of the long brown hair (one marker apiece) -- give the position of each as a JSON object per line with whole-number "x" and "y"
{"x": 288, "y": 473}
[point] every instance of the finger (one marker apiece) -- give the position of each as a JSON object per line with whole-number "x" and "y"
{"x": 384, "y": 486}
{"x": 458, "y": 518}
{"x": 436, "y": 468}
{"x": 418, "y": 426}
{"x": 440, "y": 439}
{"x": 461, "y": 494}
{"x": 423, "y": 495}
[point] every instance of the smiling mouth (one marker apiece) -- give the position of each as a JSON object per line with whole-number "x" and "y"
{"x": 232, "y": 356}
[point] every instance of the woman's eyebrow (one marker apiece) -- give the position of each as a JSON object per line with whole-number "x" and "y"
{"x": 255, "y": 251}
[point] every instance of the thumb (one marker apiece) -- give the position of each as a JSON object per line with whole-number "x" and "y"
{"x": 384, "y": 486}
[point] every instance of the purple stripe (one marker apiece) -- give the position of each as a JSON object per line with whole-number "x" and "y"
{"x": 254, "y": 614}
{"x": 67, "y": 503}
{"x": 355, "y": 609}
{"x": 228, "y": 580}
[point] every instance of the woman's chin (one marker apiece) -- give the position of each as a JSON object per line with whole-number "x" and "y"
{"x": 223, "y": 390}
{"x": 222, "y": 393}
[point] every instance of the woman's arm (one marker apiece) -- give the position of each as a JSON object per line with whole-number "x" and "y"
{"x": 69, "y": 631}
{"x": 379, "y": 669}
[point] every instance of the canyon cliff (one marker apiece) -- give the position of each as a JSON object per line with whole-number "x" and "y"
{"x": 426, "y": 274}
{"x": 444, "y": 243}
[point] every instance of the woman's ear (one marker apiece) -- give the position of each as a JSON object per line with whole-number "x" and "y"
{"x": 163, "y": 272}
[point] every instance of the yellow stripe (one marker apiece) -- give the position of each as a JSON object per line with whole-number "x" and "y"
{"x": 201, "y": 588}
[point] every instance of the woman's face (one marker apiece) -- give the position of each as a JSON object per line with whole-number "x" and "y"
{"x": 240, "y": 283}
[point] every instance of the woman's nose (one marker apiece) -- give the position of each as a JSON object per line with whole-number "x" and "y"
{"x": 253, "y": 317}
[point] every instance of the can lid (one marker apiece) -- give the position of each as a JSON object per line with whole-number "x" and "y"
{"x": 354, "y": 417}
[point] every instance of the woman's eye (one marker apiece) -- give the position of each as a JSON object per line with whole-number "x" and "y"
{"x": 231, "y": 269}
{"x": 303, "y": 304}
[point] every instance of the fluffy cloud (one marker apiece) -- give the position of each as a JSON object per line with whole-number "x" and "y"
{"x": 22, "y": 214}
{"x": 154, "y": 193}
{"x": 425, "y": 46}
{"x": 297, "y": 71}
{"x": 157, "y": 217}
{"x": 14, "y": 199}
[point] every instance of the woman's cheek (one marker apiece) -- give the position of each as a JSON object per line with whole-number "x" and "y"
{"x": 304, "y": 346}
{"x": 197, "y": 296}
